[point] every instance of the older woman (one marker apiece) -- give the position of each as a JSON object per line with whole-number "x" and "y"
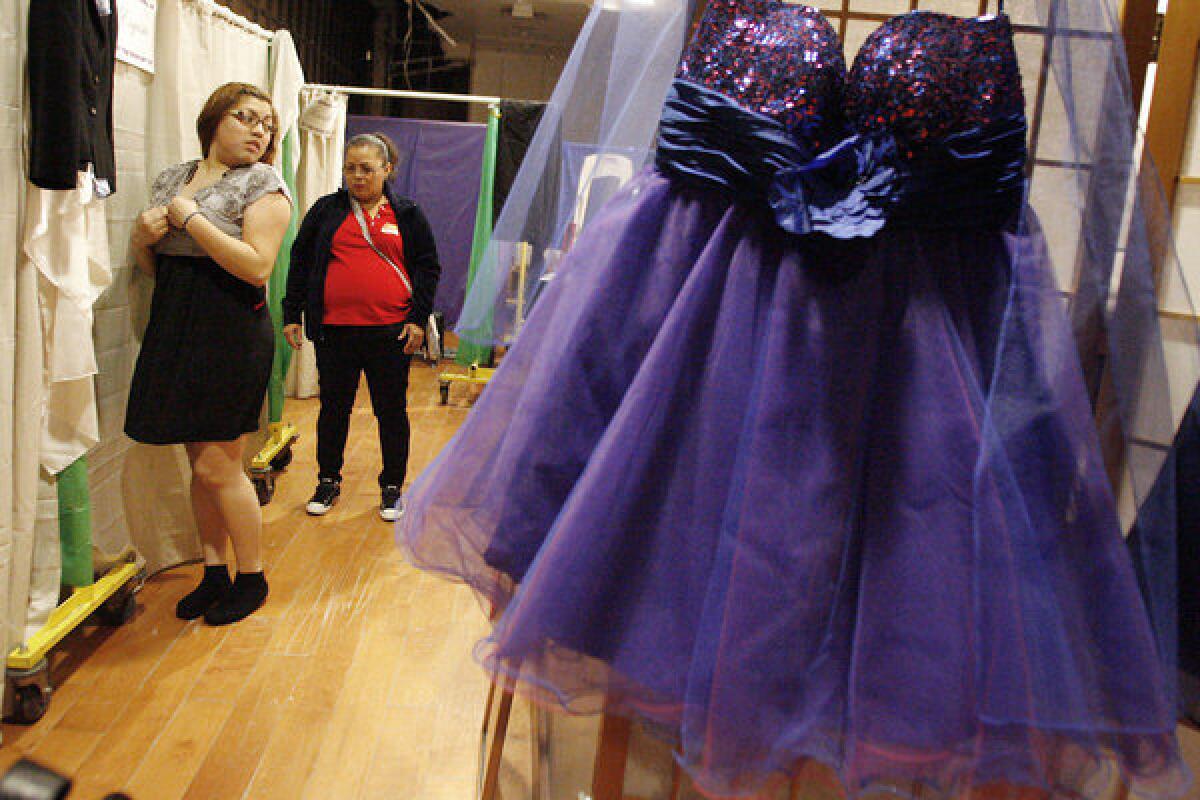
{"x": 363, "y": 275}
{"x": 210, "y": 240}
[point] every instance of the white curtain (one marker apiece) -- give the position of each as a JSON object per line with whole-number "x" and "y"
{"x": 322, "y": 134}
{"x": 45, "y": 569}
{"x": 198, "y": 46}
{"x": 20, "y": 345}
{"x": 287, "y": 79}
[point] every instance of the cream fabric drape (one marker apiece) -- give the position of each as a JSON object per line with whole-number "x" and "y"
{"x": 45, "y": 569}
{"x": 322, "y": 134}
{"x": 20, "y": 344}
{"x": 287, "y": 80}
{"x": 10, "y": 165}
{"x": 66, "y": 239}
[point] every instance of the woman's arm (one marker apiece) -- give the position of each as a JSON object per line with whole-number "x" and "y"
{"x": 250, "y": 258}
{"x": 421, "y": 262}
{"x": 143, "y": 258}
{"x": 303, "y": 252}
{"x": 148, "y": 228}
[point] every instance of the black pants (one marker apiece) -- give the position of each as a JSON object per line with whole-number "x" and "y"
{"x": 343, "y": 354}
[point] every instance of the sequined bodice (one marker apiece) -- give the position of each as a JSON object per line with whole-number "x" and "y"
{"x": 921, "y": 76}
{"x": 780, "y": 60}
{"x": 926, "y": 129}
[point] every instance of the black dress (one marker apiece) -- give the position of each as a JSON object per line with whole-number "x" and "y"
{"x": 205, "y": 361}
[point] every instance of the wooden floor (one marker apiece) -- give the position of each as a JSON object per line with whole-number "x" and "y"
{"x": 354, "y": 681}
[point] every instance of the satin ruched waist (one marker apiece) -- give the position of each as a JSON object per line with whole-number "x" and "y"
{"x": 853, "y": 189}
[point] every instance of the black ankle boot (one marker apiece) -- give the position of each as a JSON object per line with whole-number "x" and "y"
{"x": 213, "y": 586}
{"x": 249, "y": 592}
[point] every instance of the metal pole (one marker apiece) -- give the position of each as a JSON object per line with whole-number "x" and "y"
{"x": 405, "y": 93}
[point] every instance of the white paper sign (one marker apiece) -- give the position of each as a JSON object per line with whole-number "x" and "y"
{"x": 135, "y": 32}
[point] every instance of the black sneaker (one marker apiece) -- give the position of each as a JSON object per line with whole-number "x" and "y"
{"x": 391, "y": 506}
{"x": 324, "y": 497}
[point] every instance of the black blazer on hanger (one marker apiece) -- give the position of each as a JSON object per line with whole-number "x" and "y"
{"x": 72, "y": 57}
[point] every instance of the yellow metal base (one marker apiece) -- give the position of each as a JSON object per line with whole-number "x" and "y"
{"x": 66, "y": 617}
{"x": 474, "y": 374}
{"x": 282, "y": 434}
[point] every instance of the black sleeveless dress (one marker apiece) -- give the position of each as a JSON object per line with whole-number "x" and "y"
{"x": 205, "y": 361}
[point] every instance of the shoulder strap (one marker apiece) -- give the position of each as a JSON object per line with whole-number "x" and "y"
{"x": 366, "y": 231}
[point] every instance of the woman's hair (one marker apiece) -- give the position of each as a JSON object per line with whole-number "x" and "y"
{"x": 381, "y": 144}
{"x": 219, "y": 104}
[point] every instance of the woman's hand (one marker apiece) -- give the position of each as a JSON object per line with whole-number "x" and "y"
{"x": 149, "y": 227}
{"x": 414, "y": 337}
{"x": 179, "y": 209}
{"x": 294, "y": 334}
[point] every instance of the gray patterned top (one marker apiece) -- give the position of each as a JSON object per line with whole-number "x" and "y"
{"x": 223, "y": 204}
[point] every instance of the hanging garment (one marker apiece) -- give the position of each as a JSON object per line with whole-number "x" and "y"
{"x": 794, "y": 458}
{"x": 66, "y": 239}
{"x": 518, "y": 121}
{"x": 72, "y": 59}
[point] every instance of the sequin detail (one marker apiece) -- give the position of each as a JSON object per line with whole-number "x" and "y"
{"x": 923, "y": 76}
{"x": 781, "y": 60}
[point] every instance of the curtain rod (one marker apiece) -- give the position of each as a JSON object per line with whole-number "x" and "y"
{"x": 406, "y": 93}
{"x": 234, "y": 19}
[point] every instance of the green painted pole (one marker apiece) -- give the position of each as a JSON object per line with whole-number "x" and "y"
{"x": 75, "y": 525}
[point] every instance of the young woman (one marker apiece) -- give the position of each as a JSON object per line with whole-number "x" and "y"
{"x": 210, "y": 240}
{"x": 363, "y": 275}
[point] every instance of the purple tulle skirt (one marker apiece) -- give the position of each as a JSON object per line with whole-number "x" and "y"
{"x": 794, "y": 499}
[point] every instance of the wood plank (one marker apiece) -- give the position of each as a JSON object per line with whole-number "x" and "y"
{"x": 288, "y": 760}
{"x": 152, "y": 706}
{"x": 230, "y": 765}
{"x": 180, "y": 749}
{"x": 400, "y": 769}
{"x": 1138, "y": 21}
{"x": 234, "y": 660}
{"x": 63, "y": 750}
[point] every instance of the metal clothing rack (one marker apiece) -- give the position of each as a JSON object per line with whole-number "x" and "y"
{"x": 407, "y": 94}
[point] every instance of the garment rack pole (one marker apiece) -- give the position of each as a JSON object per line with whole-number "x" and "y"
{"x": 406, "y": 93}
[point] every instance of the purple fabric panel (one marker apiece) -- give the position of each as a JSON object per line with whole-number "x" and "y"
{"x": 439, "y": 168}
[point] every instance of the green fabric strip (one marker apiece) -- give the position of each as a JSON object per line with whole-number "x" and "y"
{"x": 468, "y": 351}
{"x": 276, "y": 288}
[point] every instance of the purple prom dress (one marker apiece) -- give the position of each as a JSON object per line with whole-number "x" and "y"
{"x": 793, "y": 458}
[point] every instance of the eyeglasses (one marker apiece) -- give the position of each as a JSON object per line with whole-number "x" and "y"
{"x": 249, "y": 120}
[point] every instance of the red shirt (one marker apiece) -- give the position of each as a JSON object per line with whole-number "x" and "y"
{"x": 360, "y": 287}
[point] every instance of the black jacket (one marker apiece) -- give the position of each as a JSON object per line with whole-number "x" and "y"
{"x": 72, "y": 51}
{"x": 305, "y": 297}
